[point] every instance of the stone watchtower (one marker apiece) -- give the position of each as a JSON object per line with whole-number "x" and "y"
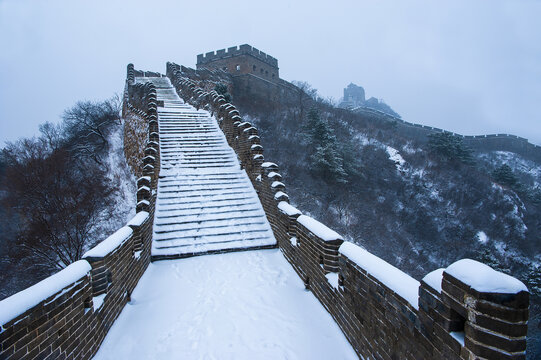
{"x": 241, "y": 60}
{"x": 353, "y": 96}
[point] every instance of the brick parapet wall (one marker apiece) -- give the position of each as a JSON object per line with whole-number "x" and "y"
{"x": 67, "y": 315}
{"x": 378, "y": 320}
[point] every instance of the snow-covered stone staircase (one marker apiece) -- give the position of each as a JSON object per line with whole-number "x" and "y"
{"x": 205, "y": 202}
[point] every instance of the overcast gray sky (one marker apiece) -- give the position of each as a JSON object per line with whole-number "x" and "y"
{"x": 468, "y": 66}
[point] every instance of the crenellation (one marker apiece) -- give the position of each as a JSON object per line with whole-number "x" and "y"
{"x": 240, "y": 61}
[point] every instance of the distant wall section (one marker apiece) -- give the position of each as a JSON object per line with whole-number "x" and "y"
{"x": 480, "y": 143}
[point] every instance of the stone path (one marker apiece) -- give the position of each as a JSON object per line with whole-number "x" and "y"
{"x": 205, "y": 202}
{"x": 239, "y": 306}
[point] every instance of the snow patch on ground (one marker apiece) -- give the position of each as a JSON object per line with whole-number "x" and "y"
{"x": 409, "y": 149}
{"x": 122, "y": 207}
{"x": 482, "y": 237}
{"x": 395, "y": 157}
{"x": 245, "y": 305}
{"x": 363, "y": 139}
{"x": 120, "y": 171}
{"x": 517, "y": 163}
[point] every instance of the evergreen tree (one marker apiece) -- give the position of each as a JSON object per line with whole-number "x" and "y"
{"x": 534, "y": 280}
{"x": 325, "y": 159}
{"x": 450, "y": 147}
{"x": 487, "y": 257}
{"x": 535, "y": 196}
{"x": 504, "y": 175}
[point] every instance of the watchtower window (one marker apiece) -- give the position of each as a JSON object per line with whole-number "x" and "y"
{"x": 261, "y": 71}
{"x": 273, "y": 76}
{"x": 238, "y": 67}
{"x": 253, "y": 68}
{"x": 266, "y": 73}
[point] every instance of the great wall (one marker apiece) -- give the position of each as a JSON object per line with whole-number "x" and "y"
{"x": 480, "y": 143}
{"x": 461, "y": 312}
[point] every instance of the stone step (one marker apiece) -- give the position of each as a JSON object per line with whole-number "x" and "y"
{"x": 204, "y": 211}
{"x": 183, "y": 236}
{"x": 198, "y": 227}
{"x": 205, "y": 202}
{"x": 260, "y": 237}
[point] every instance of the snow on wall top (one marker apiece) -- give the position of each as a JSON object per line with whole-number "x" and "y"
{"x": 110, "y": 244}
{"x": 319, "y": 229}
{"x": 268, "y": 164}
{"x": 280, "y": 194}
{"x": 433, "y": 279}
{"x": 20, "y": 302}
{"x": 395, "y": 279}
{"x": 288, "y": 209}
{"x": 138, "y": 219}
{"x": 483, "y": 278}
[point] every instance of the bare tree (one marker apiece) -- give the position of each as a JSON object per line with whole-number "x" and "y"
{"x": 305, "y": 95}
{"x": 58, "y": 200}
{"x": 86, "y": 125}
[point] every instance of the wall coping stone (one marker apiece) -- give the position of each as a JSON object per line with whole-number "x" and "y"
{"x": 433, "y": 279}
{"x": 319, "y": 229}
{"x": 108, "y": 245}
{"x": 287, "y": 209}
{"x": 483, "y": 278}
{"x": 138, "y": 219}
{"x": 26, "y": 299}
{"x": 267, "y": 164}
{"x": 395, "y": 279}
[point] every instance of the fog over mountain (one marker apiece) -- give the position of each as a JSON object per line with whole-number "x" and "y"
{"x": 468, "y": 66}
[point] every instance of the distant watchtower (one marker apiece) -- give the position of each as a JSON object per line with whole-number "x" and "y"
{"x": 353, "y": 96}
{"x": 241, "y": 60}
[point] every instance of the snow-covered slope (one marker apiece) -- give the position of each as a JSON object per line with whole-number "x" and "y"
{"x": 205, "y": 202}
{"x": 247, "y": 305}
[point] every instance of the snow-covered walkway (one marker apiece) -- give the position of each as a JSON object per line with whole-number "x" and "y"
{"x": 245, "y": 305}
{"x": 205, "y": 202}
